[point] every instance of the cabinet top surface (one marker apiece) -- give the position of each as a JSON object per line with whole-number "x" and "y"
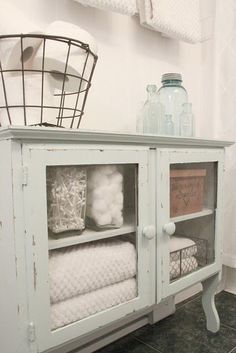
{"x": 42, "y": 134}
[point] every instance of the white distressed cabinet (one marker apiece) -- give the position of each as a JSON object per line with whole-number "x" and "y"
{"x": 149, "y": 166}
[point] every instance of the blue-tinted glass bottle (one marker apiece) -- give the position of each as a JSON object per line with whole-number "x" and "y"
{"x": 151, "y": 115}
{"x": 172, "y": 95}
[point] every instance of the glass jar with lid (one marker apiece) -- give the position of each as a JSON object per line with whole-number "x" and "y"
{"x": 172, "y": 95}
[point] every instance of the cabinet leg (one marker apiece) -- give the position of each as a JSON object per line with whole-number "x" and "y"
{"x": 208, "y": 302}
{"x": 162, "y": 310}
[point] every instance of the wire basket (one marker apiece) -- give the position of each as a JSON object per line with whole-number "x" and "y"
{"x": 34, "y": 91}
{"x": 188, "y": 259}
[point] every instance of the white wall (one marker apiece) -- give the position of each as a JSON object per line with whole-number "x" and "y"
{"x": 130, "y": 57}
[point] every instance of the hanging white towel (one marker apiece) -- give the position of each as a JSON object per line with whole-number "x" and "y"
{"x": 82, "y": 269}
{"x": 176, "y": 19}
{"x": 125, "y": 7}
{"x": 77, "y": 308}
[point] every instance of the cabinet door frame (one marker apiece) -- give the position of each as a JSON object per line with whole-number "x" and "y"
{"x": 166, "y": 157}
{"x": 35, "y": 160}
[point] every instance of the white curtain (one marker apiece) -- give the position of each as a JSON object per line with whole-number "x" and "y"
{"x": 225, "y": 114}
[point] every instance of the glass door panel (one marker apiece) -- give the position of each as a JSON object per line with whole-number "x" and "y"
{"x": 193, "y": 201}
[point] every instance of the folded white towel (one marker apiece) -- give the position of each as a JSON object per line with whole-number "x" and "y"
{"x": 126, "y": 7}
{"x": 176, "y": 19}
{"x": 187, "y": 265}
{"x": 77, "y": 308}
{"x": 82, "y": 269}
{"x": 179, "y": 243}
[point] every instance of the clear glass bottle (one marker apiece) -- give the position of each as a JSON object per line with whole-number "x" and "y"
{"x": 172, "y": 95}
{"x": 151, "y": 115}
{"x": 187, "y": 127}
{"x": 169, "y": 125}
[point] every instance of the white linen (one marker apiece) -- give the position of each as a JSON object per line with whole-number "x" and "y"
{"x": 187, "y": 265}
{"x": 126, "y": 7}
{"x": 77, "y": 308}
{"x": 187, "y": 246}
{"x": 176, "y": 19}
{"x": 85, "y": 268}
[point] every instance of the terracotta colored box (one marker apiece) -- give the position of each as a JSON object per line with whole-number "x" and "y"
{"x": 186, "y": 191}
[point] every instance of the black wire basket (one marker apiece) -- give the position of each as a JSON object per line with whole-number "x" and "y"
{"x": 39, "y": 90}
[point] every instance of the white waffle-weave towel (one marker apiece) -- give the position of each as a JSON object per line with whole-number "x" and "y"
{"x": 179, "y": 19}
{"x": 81, "y": 269}
{"x": 125, "y": 7}
{"x": 77, "y": 308}
{"x": 186, "y": 266}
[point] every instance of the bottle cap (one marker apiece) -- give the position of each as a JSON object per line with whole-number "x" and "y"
{"x": 171, "y": 76}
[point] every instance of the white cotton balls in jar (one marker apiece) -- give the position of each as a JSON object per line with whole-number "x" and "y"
{"x": 105, "y": 197}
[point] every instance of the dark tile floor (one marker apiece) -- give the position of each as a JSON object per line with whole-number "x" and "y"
{"x": 185, "y": 331}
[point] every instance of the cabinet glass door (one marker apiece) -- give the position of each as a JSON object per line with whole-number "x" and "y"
{"x": 90, "y": 262}
{"x": 189, "y": 229}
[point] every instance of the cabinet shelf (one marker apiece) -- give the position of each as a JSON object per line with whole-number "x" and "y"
{"x": 204, "y": 212}
{"x": 89, "y": 235}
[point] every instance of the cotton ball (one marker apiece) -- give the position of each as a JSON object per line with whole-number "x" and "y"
{"x": 118, "y": 220}
{"x": 119, "y": 198}
{"x": 100, "y": 192}
{"x": 116, "y": 187}
{"x": 103, "y": 219}
{"x": 96, "y": 178}
{"x": 100, "y": 206}
{"x": 116, "y": 178}
{"x": 108, "y": 169}
{"x": 113, "y": 210}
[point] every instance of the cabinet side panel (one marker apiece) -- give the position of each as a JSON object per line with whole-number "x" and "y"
{"x": 8, "y": 275}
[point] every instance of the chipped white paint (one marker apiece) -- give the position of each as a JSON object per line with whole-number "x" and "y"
{"x": 24, "y": 155}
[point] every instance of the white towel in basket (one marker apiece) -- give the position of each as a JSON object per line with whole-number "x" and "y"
{"x": 187, "y": 247}
{"x": 77, "y": 308}
{"x": 176, "y": 19}
{"x": 82, "y": 269}
{"x": 126, "y": 7}
{"x": 187, "y": 265}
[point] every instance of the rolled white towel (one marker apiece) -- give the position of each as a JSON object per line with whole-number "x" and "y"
{"x": 184, "y": 267}
{"x": 177, "y": 243}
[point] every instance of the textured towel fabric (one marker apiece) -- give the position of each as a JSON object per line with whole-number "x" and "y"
{"x": 125, "y": 7}
{"x": 186, "y": 246}
{"x": 77, "y": 308}
{"x": 81, "y": 269}
{"x": 176, "y": 19}
{"x": 187, "y": 265}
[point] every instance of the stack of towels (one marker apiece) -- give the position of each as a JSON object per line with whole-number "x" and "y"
{"x": 182, "y": 259}
{"x": 29, "y": 52}
{"x": 105, "y": 197}
{"x": 90, "y": 278}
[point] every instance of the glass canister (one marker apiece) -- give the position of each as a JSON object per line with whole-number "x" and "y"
{"x": 187, "y": 126}
{"x": 172, "y": 95}
{"x": 150, "y": 118}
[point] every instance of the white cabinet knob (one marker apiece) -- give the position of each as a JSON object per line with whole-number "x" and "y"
{"x": 169, "y": 228}
{"x": 149, "y": 232}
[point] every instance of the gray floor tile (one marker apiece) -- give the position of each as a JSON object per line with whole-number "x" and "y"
{"x": 185, "y": 332}
{"x": 127, "y": 345}
{"x": 226, "y": 306}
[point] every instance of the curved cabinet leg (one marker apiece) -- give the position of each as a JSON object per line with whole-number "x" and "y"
{"x": 208, "y": 302}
